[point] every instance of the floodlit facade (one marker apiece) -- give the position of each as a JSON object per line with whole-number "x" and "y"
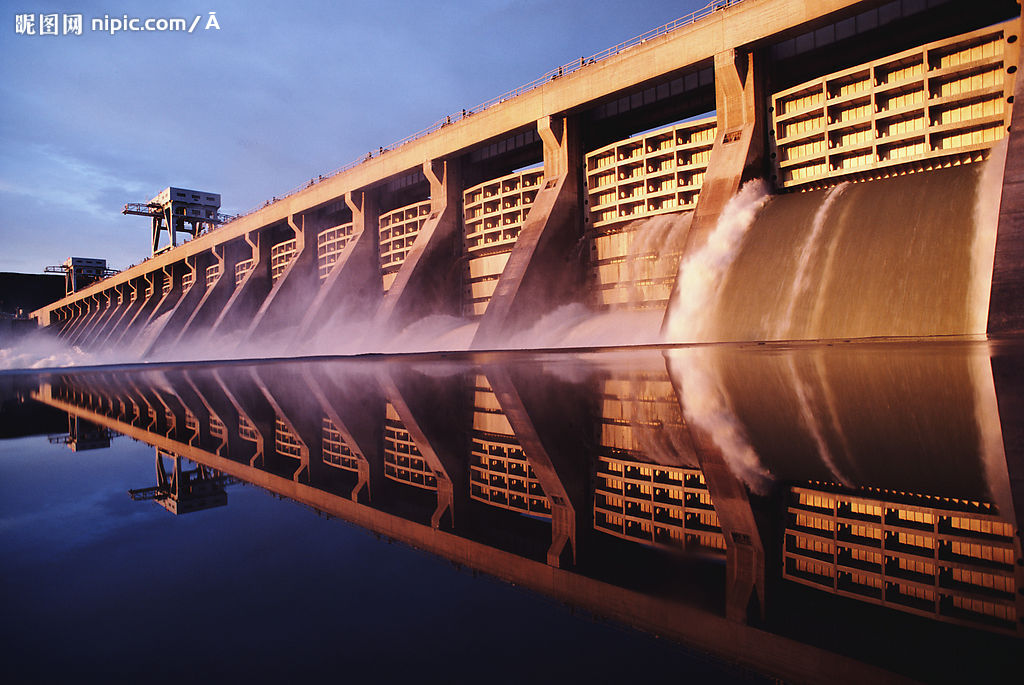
{"x": 948, "y": 559}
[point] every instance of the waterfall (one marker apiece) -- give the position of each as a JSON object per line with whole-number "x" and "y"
{"x": 808, "y": 250}
{"x": 986, "y": 227}
{"x": 701, "y": 273}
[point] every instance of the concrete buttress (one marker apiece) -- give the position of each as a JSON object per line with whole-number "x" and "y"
{"x": 544, "y": 268}
{"x": 426, "y": 283}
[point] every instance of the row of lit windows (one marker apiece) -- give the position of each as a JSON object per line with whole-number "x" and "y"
{"x": 866, "y": 556}
{"x": 417, "y": 476}
{"x": 658, "y": 474}
{"x": 813, "y": 499}
{"x": 915, "y": 540}
{"x": 986, "y": 608}
{"x": 1001, "y": 555}
{"x": 865, "y": 509}
{"x": 982, "y": 579}
{"x": 217, "y": 428}
{"x": 808, "y": 521}
{"x": 800, "y": 115}
{"x": 865, "y": 580}
{"x": 978, "y": 525}
{"x": 246, "y": 430}
{"x": 817, "y": 568}
{"x": 869, "y": 532}
{"x": 335, "y": 451}
{"x": 285, "y": 440}
{"x": 812, "y": 544}
{"x": 915, "y": 516}
{"x": 916, "y": 565}
{"x": 917, "y": 592}
{"x": 281, "y": 256}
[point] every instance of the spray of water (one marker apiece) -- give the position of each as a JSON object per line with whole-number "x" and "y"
{"x": 148, "y": 334}
{"x": 983, "y": 247}
{"x": 990, "y": 432}
{"x": 652, "y": 260}
{"x": 808, "y": 250}
{"x": 645, "y": 275}
{"x": 701, "y": 273}
{"x": 707, "y": 409}
{"x": 576, "y": 325}
{"x": 831, "y": 410}
{"x": 40, "y": 350}
{"x": 809, "y": 417}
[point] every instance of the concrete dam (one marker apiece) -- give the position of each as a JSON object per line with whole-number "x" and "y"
{"x": 762, "y": 170}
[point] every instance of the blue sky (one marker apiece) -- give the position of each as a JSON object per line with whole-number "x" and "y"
{"x": 279, "y": 94}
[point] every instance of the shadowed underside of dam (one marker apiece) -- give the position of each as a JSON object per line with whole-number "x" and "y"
{"x": 771, "y": 170}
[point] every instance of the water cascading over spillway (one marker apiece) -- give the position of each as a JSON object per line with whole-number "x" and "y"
{"x": 630, "y": 285}
{"x": 903, "y": 256}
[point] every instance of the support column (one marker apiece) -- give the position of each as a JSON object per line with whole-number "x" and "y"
{"x": 430, "y": 413}
{"x": 112, "y": 308}
{"x": 216, "y": 294}
{"x": 356, "y": 409}
{"x": 190, "y": 401}
{"x": 210, "y": 388}
{"x": 86, "y": 323}
{"x": 250, "y": 293}
{"x": 133, "y": 302}
{"x": 354, "y": 282}
{"x": 295, "y": 415}
{"x": 206, "y": 430}
{"x": 1005, "y": 314}
{"x": 1008, "y": 384}
{"x": 294, "y": 289}
{"x": 51, "y": 318}
{"x": 74, "y": 311}
{"x": 91, "y": 306}
{"x": 156, "y": 305}
{"x": 545, "y": 267}
{"x": 427, "y": 283}
{"x": 152, "y": 419}
{"x": 96, "y": 311}
{"x": 738, "y": 152}
{"x": 148, "y": 302}
{"x": 745, "y": 555}
{"x": 81, "y": 308}
{"x": 242, "y": 412}
{"x": 543, "y": 435}
{"x": 113, "y": 312}
{"x": 171, "y": 275}
{"x": 170, "y": 419}
{"x": 182, "y": 306}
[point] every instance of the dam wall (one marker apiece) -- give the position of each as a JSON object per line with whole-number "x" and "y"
{"x": 887, "y": 204}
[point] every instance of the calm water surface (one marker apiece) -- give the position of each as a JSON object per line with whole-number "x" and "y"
{"x": 731, "y": 513}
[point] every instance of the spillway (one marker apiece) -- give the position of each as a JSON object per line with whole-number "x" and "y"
{"x": 891, "y": 257}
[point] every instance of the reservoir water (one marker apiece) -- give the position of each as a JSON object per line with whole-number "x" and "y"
{"x": 798, "y": 512}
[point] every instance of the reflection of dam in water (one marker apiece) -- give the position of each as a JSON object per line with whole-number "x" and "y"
{"x": 608, "y": 481}
{"x": 878, "y": 133}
